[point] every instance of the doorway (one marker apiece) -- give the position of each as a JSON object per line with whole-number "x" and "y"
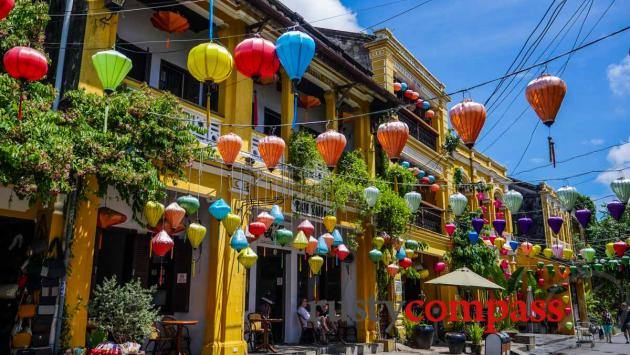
{"x": 270, "y": 286}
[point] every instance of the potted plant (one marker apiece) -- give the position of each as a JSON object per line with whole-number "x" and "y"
{"x": 125, "y": 312}
{"x": 456, "y": 338}
{"x": 475, "y": 333}
{"x": 423, "y": 336}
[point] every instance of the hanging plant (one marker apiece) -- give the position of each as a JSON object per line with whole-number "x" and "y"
{"x": 303, "y": 154}
{"x": 451, "y": 142}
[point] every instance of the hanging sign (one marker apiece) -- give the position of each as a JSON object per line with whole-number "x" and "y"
{"x": 308, "y": 208}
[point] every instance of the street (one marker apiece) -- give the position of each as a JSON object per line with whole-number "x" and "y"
{"x": 618, "y": 346}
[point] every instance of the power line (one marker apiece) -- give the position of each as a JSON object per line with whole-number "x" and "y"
{"x": 396, "y": 15}
{"x": 531, "y": 136}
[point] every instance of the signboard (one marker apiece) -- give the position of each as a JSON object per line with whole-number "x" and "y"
{"x": 398, "y": 287}
{"x": 182, "y": 277}
{"x": 308, "y": 208}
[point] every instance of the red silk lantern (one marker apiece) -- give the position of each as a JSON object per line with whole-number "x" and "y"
{"x": 450, "y": 228}
{"x": 425, "y": 180}
{"x": 25, "y": 63}
{"x": 330, "y": 145}
{"x": 256, "y": 58}
{"x": 5, "y": 7}
{"x": 541, "y": 282}
{"x": 229, "y": 147}
{"x": 415, "y": 96}
{"x": 171, "y": 22}
{"x": 257, "y": 229}
{"x": 342, "y": 252}
{"x": 620, "y": 248}
{"x": 392, "y": 270}
{"x": 405, "y": 263}
{"x": 419, "y": 104}
{"x": 393, "y": 136}
{"x": 567, "y": 310}
{"x": 271, "y": 149}
{"x": 429, "y": 114}
{"x": 409, "y": 94}
{"x": 265, "y": 218}
{"x": 397, "y": 87}
{"x": 468, "y": 117}
{"x": 161, "y": 244}
{"x": 307, "y": 228}
{"x": 435, "y": 188}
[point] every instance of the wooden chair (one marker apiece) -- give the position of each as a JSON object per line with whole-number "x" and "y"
{"x": 165, "y": 338}
{"x": 308, "y": 329}
{"x": 255, "y": 328}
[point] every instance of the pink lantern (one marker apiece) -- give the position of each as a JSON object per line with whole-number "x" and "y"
{"x": 526, "y": 247}
{"x": 567, "y": 310}
{"x": 541, "y": 282}
{"x": 504, "y": 264}
{"x": 557, "y": 250}
{"x": 450, "y": 229}
{"x": 342, "y": 252}
{"x": 504, "y": 251}
{"x": 506, "y": 275}
{"x": 265, "y": 218}
{"x": 439, "y": 266}
{"x": 500, "y": 215}
{"x": 480, "y": 196}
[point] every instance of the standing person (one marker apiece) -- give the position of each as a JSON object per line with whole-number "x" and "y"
{"x": 623, "y": 317}
{"x": 607, "y": 325}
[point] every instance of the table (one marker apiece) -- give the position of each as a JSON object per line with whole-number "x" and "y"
{"x": 180, "y": 324}
{"x": 266, "y": 326}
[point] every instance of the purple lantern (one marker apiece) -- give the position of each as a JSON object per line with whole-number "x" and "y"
{"x": 583, "y": 216}
{"x": 616, "y": 209}
{"x": 477, "y": 224}
{"x": 499, "y": 225}
{"x": 557, "y": 250}
{"x": 555, "y": 223}
{"x": 524, "y": 223}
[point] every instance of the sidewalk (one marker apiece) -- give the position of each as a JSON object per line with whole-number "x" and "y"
{"x": 617, "y": 347}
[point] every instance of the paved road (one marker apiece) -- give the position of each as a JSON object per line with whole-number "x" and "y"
{"x": 566, "y": 347}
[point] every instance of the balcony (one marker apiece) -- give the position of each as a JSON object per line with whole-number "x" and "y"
{"x": 429, "y": 217}
{"x": 418, "y": 129}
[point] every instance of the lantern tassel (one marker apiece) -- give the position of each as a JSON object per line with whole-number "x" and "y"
{"x": 552, "y": 151}
{"x": 168, "y": 41}
{"x": 20, "y": 106}
{"x": 295, "y": 108}
{"x": 193, "y": 266}
{"x": 106, "y": 114}
{"x": 300, "y": 264}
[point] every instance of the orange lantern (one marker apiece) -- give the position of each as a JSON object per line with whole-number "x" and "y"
{"x": 271, "y": 149}
{"x": 468, "y": 117}
{"x": 229, "y": 147}
{"x": 108, "y": 217}
{"x": 397, "y": 87}
{"x": 415, "y": 96}
{"x": 268, "y": 80}
{"x": 174, "y": 214}
{"x": 171, "y": 22}
{"x": 308, "y": 101}
{"x": 330, "y": 145}
{"x": 311, "y": 246}
{"x": 265, "y": 218}
{"x": 435, "y": 188}
{"x": 545, "y": 95}
{"x": 393, "y": 136}
{"x": 429, "y": 114}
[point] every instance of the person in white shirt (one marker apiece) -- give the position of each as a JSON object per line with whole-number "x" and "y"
{"x": 303, "y": 312}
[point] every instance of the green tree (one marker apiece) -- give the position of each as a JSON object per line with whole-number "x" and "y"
{"x": 478, "y": 257}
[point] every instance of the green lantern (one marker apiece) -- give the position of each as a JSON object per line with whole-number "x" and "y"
{"x": 621, "y": 188}
{"x": 375, "y": 255}
{"x": 111, "y": 67}
{"x": 568, "y": 196}
{"x": 551, "y": 269}
{"x": 458, "y": 203}
{"x": 598, "y": 267}
{"x": 574, "y": 270}
{"x": 625, "y": 260}
{"x": 540, "y": 265}
{"x": 412, "y": 244}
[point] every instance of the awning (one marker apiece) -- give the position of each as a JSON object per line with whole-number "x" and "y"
{"x": 464, "y": 277}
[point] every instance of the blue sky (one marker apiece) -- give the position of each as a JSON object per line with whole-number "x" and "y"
{"x": 464, "y": 42}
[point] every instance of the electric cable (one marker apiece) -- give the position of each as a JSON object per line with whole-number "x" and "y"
{"x": 531, "y": 136}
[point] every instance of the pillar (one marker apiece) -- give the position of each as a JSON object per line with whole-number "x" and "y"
{"x": 366, "y": 288}
{"x": 364, "y": 140}
{"x": 330, "y": 98}
{"x": 79, "y": 274}
{"x": 286, "y": 109}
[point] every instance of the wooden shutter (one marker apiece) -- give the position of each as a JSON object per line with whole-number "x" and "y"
{"x": 141, "y": 259}
{"x": 181, "y": 291}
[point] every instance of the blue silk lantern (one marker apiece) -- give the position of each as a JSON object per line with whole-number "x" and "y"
{"x": 238, "y": 241}
{"x": 295, "y": 51}
{"x": 219, "y": 209}
{"x": 405, "y": 164}
{"x": 431, "y": 179}
{"x": 426, "y": 105}
{"x": 276, "y": 213}
{"x": 401, "y": 254}
{"x": 403, "y": 87}
{"x": 514, "y": 245}
{"x": 337, "y": 239}
{"x": 422, "y": 174}
{"x": 322, "y": 247}
{"x": 473, "y": 237}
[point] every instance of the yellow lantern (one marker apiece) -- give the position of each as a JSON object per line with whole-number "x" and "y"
{"x": 300, "y": 242}
{"x": 410, "y": 253}
{"x": 387, "y": 257}
{"x": 247, "y": 257}
{"x": 610, "y": 249}
{"x": 566, "y": 299}
{"x": 378, "y": 242}
{"x": 231, "y": 223}
{"x": 499, "y": 242}
{"x": 535, "y": 250}
{"x": 210, "y": 63}
{"x": 315, "y": 262}
{"x": 567, "y": 254}
{"x": 153, "y": 211}
{"x": 330, "y": 222}
{"x": 547, "y": 252}
{"x": 195, "y": 234}
{"x": 424, "y": 273}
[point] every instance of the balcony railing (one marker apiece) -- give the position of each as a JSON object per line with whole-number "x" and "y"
{"x": 429, "y": 218}
{"x": 418, "y": 129}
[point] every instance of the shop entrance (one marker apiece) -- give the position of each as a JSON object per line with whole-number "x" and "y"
{"x": 271, "y": 283}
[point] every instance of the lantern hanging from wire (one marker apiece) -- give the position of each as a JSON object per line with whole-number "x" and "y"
{"x": 342, "y": 252}
{"x": 271, "y": 149}
{"x": 450, "y": 228}
{"x": 195, "y": 234}
{"x": 371, "y": 194}
{"x": 439, "y": 266}
{"x": 330, "y": 222}
{"x": 229, "y": 146}
{"x": 174, "y": 214}
{"x": 256, "y": 58}
{"x": 171, "y": 22}
{"x": 322, "y": 245}
{"x": 620, "y": 248}
{"x": 300, "y": 242}
{"x": 499, "y": 225}
{"x": 311, "y": 247}
{"x": 429, "y": 114}
{"x": 555, "y": 223}
{"x": 413, "y": 200}
{"x": 256, "y": 229}
{"x": 392, "y": 270}
{"x": 265, "y": 218}
{"x": 526, "y": 248}
{"x": 330, "y": 145}
{"x": 397, "y": 87}
{"x": 238, "y": 241}
{"x": 473, "y": 237}
{"x": 308, "y": 101}
{"x": 337, "y": 238}
{"x": 513, "y": 200}
{"x": 568, "y": 195}
{"x": 307, "y": 227}
{"x": 524, "y": 224}
{"x": 278, "y": 216}
{"x": 295, "y": 51}
{"x": 535, "y": 250}
{"x": 283, "y": 236}
{"x": 378, "y": 242}
{"x": 477, "y": 224}
{"x": 111, "y": 67}
{"x": 5, "y": 8}
{"x": 468, "y": 117}
{"x": 24, "y": 63}
{"x": 545, "y": 95}
{"x": 405, "y": 263}
{"x": 557, "y": 250}
{"x": 219, "y": 209}
{"x": 231, "y": 223}
{"x": 315, "y": 263}
{"x": 247, "y": 257}
{"x": 401, "y": 253}
{"x": 153, "y": 212}
{"x": 189, "y": 203}
{"x": 161, "y": 244}
{"x": 610, "y": 249}
{"x": 393, "y": 136}
{"x": 616, "y": 209}
{"x": 106, "y": 218}
{"x": 583, "y": 216}
{"x": 588, "y": 254}
{"x": 458, "y": 203}
{"x": 375, "y": 256}
{"x": 621, "y": 188}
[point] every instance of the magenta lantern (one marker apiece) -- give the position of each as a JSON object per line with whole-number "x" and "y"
{"x": 450, "y": 228}
{"x": 439, "y": 266}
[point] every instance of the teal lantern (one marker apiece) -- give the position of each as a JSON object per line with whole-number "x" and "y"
{"x": 283, "y": 236}
{"x": 403, "y": 87}
{"x": 458, "y": 203}
{"x": 189, "y": 203}
{"x": 412, "y": 244}
{"x": 111, "y": 67}
{"x": 405, "y": 164}
{"x": 322, "y": 247}
{"x": 219, "y": 209}
{"x": 573, "y": 269}
{"x": 371, "y": 195}
{"x": 401, "y": 254}
{"x": 422, "y": 174}
{"x": 431, "y": 179}
{"x": 568, "y": 196}
{"x": 337, "y": 239}
{"x": 276, "y": 213}
{"x": 413, "y": 200}
{"x": 513, "y": 200}
{"x": 621, "y": 188}
{"x": 375, "y": 256}
{"x": 238, "y": 241}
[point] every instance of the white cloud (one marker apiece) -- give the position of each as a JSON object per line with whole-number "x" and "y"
{"x": 619, "y": 77}
{"x": 593, "y": 141}
{"x": 619, "y": 157}
{"x": 537, "y": 160}
{"x": 337, "y": 16}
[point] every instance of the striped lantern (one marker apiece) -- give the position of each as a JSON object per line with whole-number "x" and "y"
{"x": 174, "y": 214}
{"x": 458, "y": 203}
{"x": 271, "y": 149}
{"x": 513, "y": 200}
{"x": 393, "y": 136}
{"x": 231, "y": 223}
{"x": 195, "y": 234}
{"x": 413, "y": 200}
{"x": 247, "y": 257}
{"x": 153, "y": 212}
{"x": 568, "y": 196}
{"x": 229, "y": 146}
{"x": 330, "y": 145}
{"x": 621, "y": 188}
{"x": 371, "y": 195}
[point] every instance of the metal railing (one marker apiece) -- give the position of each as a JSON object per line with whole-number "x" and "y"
{"x": 429, "y": 219}
{"x": 420, "y": 132}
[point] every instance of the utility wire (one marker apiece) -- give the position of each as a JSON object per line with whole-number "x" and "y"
{"x": 531, "y": 136}
{"x": 396, "y": 15}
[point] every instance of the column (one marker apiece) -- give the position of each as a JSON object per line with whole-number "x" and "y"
{"x": 330, "y": 99}
{"x": 366, "y": 288}
{"x": 79, "y": 274}
{"x": 364, "y": 140}
{"x": 286, "y": 110}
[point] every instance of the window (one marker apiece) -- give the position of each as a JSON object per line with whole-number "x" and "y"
{"x": 271, "y": 118}
{"x": 140, "y": 58}
{"x": 180, "y": 83}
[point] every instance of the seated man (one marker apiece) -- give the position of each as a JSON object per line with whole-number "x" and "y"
{"x": 304, "y": 317}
